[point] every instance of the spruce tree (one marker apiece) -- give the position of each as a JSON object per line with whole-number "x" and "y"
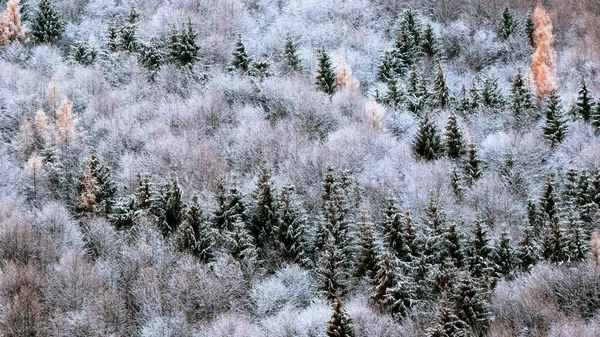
{"x": 400, "y": 236}
{"x": 410, "y": 19}
{"x": 183, "y": 47}
{"x": 167, "y": 206}
{"x": 325, "y": 73}
{"x": 427, "y": 144}
{"x": 440, "y": 88}
{"x": 340, "y": 324}
{"x": 549, "y": 199}
{"x": 46, "y": 26}
{"x": 491, "y": 96}
{"x": 470, "y": 304}
{"x": 429, "y": 45}
{"x": 198, "y": 236}
{"x": 446, "y": 323}
{"x": 453, "y": 138}
{"x": 291, "y": 60}
{"x": 264, "y": 216}
{"x": 96, "y": 188}
{"x": 127, "y": 38}
{"x": 152, "y": 57}
{"x": 595, "y": 118}
{"x": 520, "y": 99}
{"x": 388, "y": 67}
{"x": 529, "y": 28}
{"x": 554, "y": 247}
{"x": 527, "y": 255}
{"x": 83, "y": 53}
{"x": 406, "y": 49}
{"x": 112, "y": 43}
{"x": 456, "y": 181}
{"x": 332, "y": 270}
{"x": 385, "y": 279}
{"x": 585, "y": 103}
{"x": 241, "y": 244}
{"x": 509, "y": 24}
{"x": 480, "y": 253}
{"x": 464, "y": 103}
{"x": 577, "y": 240}
{"x": 393, "y": 96}
{"x": 555, "y": 128}
{"x": 475, "y": 96}
{"x": 505, "y": 257}
{"x": 292, "y": 227}
{"x": 453, "y": 246}
{"x": 241, "y": 61}
{"x": 368, "y": 251}
{"x": 472, "y": 168}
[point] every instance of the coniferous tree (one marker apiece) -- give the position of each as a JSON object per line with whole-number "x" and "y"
{"x": 585, "y": 102}
{"x": 340, "y": 324}
{"x": 505, "y": 257}
{"x": 475, "y": 96}
{"x": 291, "y": 60}
{"x": 577, "y": 241}
{"x": 453, "y": 246}
{"x": 332, "y": 270}
{"x": 427, "y": 145}
{"x": 167, "y": 206}
{"x": 472, "y": 166}
{"x": 127, "y": 38}
{"x": 527, "y": 255}
{"x": 112, "y": 44}
{"x": 96, "y": 189}
{"x": 595, "y": 118}
{"x": 151, "y": 57}
{"x": 241, "y": 244}
{"x": 400, "y": 236}
{"x": 411, "y": 20}
{"x": 464, "y": 103}
{"x": 470, "y": 304}
{"x": 554, "y": 247}
{"x": 292, "y": 227}
{"x": 46, "y": 26}
{"x": 385, "y": 279}
{"x": 454, "y": 144}
{"x": 325, "y": 73}
{"x": 264, "y": 216}
{"x": 555, "y": 128}
{"x": 368, "y": 251}
{"x": 406, "y": 50}
{"x": 529, "y": 29}
{"x": 429, "y": 45}
{"x": 480, "y": 253}
{"x": 83, "y": 53}
{"x": 520, "y": 99}
{"x": 456, "y": 181}
{"x": 394, "y": 96}
{"x": 388, "y": 67}
{"x": 440, "y": 88}
{"x": 230, "y": 205}
{"x": 509, "y": 24}
{"x": 198, "y": 237}
{"x": 183, "y": 47}
{"x": 549, "y": 199}
{"x": 241, "y": 61}
{"x": 490, "y": 95}
{"x": 446, "y": 323}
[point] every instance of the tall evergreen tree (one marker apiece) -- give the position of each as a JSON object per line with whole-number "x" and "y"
{"x": 406, "y": 49}
{"x": 464, "y": 104}
{"x": 400, "y": 236}
{"x": 440, "y": 88}
{"x": 446, "y": 323}
{"x": 112, "y": 43}
{"x": 509, "y": 24}
{"x": 470, "y": 304}
{"x": 292, "y": 227}
{"x": 198, "y": 236}
{"x": 385, "y": 279}
{"x": 46, "y": 26}
{"x": 472, "y": 166}
{"x": 453, "y": 246}
{"x": 453, "y": 138}
{"x": 240, "y": 61}
{"x": 394, "y": 95}
{"x": 340, "y": 324}
{"x": 368, "y": 251}
{"x": 291, "y": 60}
{"x": 429, "y": 45}
{"x": 520, "y": 99}
{"x": 529, "y": 28}
{"x": 585, "y": 103}
{"x": 332, "y": 270}
{"x": 167, "y": 206}
{"x": 152, "y": 57}
{"x": 555, "y": 128}
{"x": 427, "y": 145}
{"x": 527, "y": 255}
{"x": 475, "y": 96}
{"x": 264, "y": 216}
{"x": 388, "y": 67}
{"x": 549, "y": 199}
{"x": 127, "y": 39}
{"x": 554, "y": 245}
{"x": 505, "y": 257}
{"x": 241, "y": 244}
{"x": 410, "y": 19}
{"x": 96, "y": 188}
{"x": 480, "y": 252}
{"x": 491, "y": 96}
{"x": 325, "y": 73}
{"x": 183, "y": 47}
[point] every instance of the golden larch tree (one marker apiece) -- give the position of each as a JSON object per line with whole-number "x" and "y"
{"x": 543, "y": 68}
{"x": 11, "y": 28}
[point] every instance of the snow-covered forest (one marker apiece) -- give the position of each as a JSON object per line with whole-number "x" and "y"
{"x": 299, "y": 168}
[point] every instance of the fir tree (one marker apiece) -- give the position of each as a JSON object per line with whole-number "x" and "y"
{"x": 127, "y": 38}
{"x": 388, "y": 67}
{"x": 183, "y": 47}
{"x": 441, "y": 90}
{"x": 527, "y": 255}
{"x": 472, "y": 168}
{"x": 427, "y": 145}
{"x": 456, "y": 181}
{"x": 291, "y": 60}
{"x": 332, "y": 270}
{"x": 406, "y": 50}
{"x": 241, "y": 244}
{"x": 529, "y": 29}
{"x": 340, "y": 324}
{"x": 325, "y": 74}
{"x": 490, "y": 95}
{"x": 446, "y": 323}
{"x": 292, "y": 227}
{"x": 96, "y": 189}
{"x": 554, "y": 245}
{"x": 167, "y": 206}
{"x": 595, "y": 118}
{"x": 411, "y": 20}
{"x": 453, "y": 246}
{"x": 198, "y": 236}
{"x": 142, "y": 192}
{"x": 454, "y": 143}
{"x": 394, "y": 96}
{"x": 555, "y": 128}
{"x": 509, "y": 24}
{"x": 577, "y": 240}
{"x": 464, "y": 103}
{"x": 520, "y": 98}
{"x": 505, "y": 257}
{"x": 264, "y": 216}
{"x": 584, "y": 106}
{"x": 368, "y": 251}
{"x": 400, "y": 236}
{"x": 385, "y": 279}
{"x": 46, "y": 26}
{"x": 112, "y": 44}
{"x": 241, "y": 61}
{"x": 152, "y": 57}
{"x": 475, "y": 96}
{"x": 429, "y": 45}
{"x": 83, "y": 53}
{"x": 470, "y": 304}
{"x": 549, "y": 199}
{"x": 480, "y": 253}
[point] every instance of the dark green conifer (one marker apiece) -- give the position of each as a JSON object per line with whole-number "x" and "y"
{"x": 292, "y": 227}
{"x": 442, "y": 96}
{"x": 46, "y": 26}
{"x": 241, "y": 61}
{"x": 555, "y": 127}
{"x": 453, "y": 138}
{"x": 291, "y": 60}
{"x": 429, "y": 45}
{"x": 427, "y": 144}
{"x": 325, "y": 73}
{"x": 472, "y": 168}
{"x": 509, "y": 24}
{"x": 585, "y": 103}
{"x": 340, "y": 324}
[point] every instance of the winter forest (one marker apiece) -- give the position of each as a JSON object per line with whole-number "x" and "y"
{"x": 299, "y": 168}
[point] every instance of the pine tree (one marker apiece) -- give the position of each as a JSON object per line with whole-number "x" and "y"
{"x": 555, "y": 128}
{"x": 388, "y": 67}
{"x": 400, "y": 236}
{"x": 241, "y": 61}
{"x": 429, "y": 45}
{"x": 332, "y": 270}
{"x": 264, "y": 216}
{"x": 183, "y": 47}
{"x": 325, "y": 74}
{"x": 595, "y": 118}
{"x": 509, "y": 24}
{"x": 490, "y": 95}
{"x": 577, "y": 240}
{"x": 411, "y": 20}
{"x": 527, "y": 255}
{"x": 427, "y": 145}
{"x": 385, "y": 279}
{"x": 456, "y": 181}
{"x": 340, "y": 324}
{"x": 442, "y": 95}
{"x": 453, "y": 138}
{"x": 529, "y": 29}
{"x": 46, "y": 26}
{"x": 446, "y": 323}
{"x": 505, "y": 257}
{"x": 292, "y": 227}
{"x": 520, "y": 99}
{"x": 472, "y": 168}
{"x": 368, "y": 251}
{"x": 112, "y": 44}
{"x": 291, "y": 60}
{"x": 470, "y": 304}
{"x": 453, "y": 246}
{"x": 406, "y": 50}
{"x": 549, "y": 199}
{"x": 584, "y": 106}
